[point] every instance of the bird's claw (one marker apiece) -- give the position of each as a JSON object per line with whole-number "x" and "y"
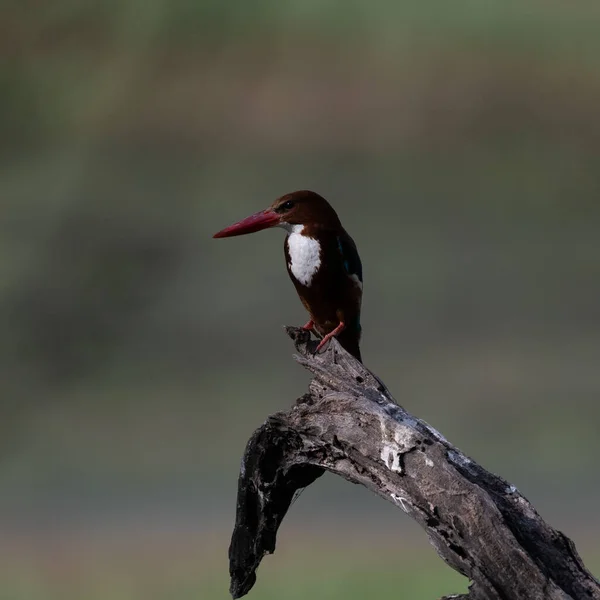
{"x": 322, "y": 344}
{"x": 309, "y": 326}
{"x": 330, "y": 335}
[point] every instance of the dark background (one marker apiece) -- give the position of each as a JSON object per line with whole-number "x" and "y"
{"x": 460, "y": 144}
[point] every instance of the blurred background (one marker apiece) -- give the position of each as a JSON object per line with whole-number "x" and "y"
{"x": 460, "y": 144}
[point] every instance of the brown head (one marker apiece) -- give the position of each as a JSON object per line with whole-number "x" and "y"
{"x": 298, "y": 208}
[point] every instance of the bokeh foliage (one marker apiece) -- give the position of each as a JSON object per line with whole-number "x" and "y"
{"x": 461, "y": 144}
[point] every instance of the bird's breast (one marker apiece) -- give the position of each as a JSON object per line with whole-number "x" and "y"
{"x": 304, "y": 257}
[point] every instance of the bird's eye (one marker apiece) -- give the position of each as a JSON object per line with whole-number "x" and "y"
{"x": 288, "y": 205}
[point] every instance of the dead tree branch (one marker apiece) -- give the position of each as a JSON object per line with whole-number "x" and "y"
{"x": 349, "y": 424}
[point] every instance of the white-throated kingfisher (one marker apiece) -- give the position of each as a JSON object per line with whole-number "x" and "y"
{"x": 322, "y": 261}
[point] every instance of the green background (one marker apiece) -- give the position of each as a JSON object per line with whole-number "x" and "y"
{"x": 460, "y": 144}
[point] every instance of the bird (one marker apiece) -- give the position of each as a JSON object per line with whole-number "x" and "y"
{"x": 322, "y": 261}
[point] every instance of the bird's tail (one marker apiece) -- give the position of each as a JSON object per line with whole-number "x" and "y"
{"x": 349, "y": 340}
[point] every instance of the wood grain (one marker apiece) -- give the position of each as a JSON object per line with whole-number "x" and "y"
{"x": 350, "y": 424}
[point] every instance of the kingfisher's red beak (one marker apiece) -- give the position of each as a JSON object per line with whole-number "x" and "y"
{"x": 261, "y": 220}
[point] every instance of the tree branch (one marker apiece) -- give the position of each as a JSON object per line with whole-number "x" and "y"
{"x": 349, "y": 424}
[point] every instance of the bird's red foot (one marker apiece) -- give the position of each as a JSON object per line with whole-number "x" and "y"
{"x": 309, "y": 326}
{"x": 335, "y": 332}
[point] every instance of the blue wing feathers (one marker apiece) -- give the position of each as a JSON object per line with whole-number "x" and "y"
{"x": 350, "y": 256}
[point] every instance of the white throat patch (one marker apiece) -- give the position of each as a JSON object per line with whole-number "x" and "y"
{"x": 305, "y": 254}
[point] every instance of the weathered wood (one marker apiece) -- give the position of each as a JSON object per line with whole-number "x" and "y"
{"x": 349, "y": 424}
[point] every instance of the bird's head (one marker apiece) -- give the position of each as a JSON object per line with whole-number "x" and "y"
{"x": 298, "y": 208}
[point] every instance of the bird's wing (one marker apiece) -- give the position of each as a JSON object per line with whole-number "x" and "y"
{"x": 350, "y": 256}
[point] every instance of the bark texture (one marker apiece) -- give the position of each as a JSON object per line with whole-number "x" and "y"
{"x": 349, "y": 424}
